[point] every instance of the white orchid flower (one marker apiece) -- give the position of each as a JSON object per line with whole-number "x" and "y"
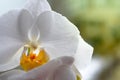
{"x": 58, "y": 69}
{"x": 34, "y": 35}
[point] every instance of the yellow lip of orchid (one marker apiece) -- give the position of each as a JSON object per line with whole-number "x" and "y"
{"x": 33, "y": 57}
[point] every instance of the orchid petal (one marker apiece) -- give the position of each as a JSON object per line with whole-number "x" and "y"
{"x": 8, "y": 25}
{"x": 10, "y": 74}
{"x": 48, "y": 70}
{"x": 59, "y": 36}
{"x": 63, "y": 47}
{"x": 83, "y": 55}
{"x": 36, "y": 7}
{"x": 53, "y": 26}
{"x": 11, "y": 37}
{"x": 10, "y": 60}
{"x": 25, "y": 23}
{"x": 15, "y": 24}
{"x": 64, "y": 73}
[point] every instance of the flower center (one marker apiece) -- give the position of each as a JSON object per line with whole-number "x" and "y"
{"x": 33, "y": 57}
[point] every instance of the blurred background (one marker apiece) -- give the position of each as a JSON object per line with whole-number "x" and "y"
{"x": 99, "y": 24}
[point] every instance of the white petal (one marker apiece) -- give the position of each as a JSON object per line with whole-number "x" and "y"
{"x": 67, "y": 60}
{"x": 47, "y": 71}
{"x": 9, "y": 61}
{"x": 64, "y": 73}
{"x": 11, "y": 75}
{"x": 83, "y": 55}
{"x": 36, "y": 7}
{"x": 25, "y": 22}
{"x": 58, "y": 35}
{"x": 12, "y": 36}
{"x": 15, "y": 24}
{"x": 8, "y": 25}
{"x": 53, "y": 26}
{"x": 63, "y": 47}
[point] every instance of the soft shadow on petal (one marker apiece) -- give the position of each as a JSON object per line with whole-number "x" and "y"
{"x": 25, "y": 22}
{"x": 53, "y": 26}
{"x": 9, "y": 25}
{"x": 64, "y": 73}
{"x": 36, "y": 7}
{"x": 15, "y": 24}
{"x": 67, "y": 60}
{"x": 47, "y": 71}
{"x": 12, "y": 37}
{"x": 9, "y": 61}
{"x": 62, "y": 47}
{"x": 11, "y": 75}
{"x": 83, "y": 55}
{"x": 58, "y": 34}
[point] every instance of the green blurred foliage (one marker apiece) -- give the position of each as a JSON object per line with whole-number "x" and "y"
{"x": 97, "y": 20}
{"x": 99, "y": 25}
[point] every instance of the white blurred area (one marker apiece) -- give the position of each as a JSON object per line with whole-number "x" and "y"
{"x": 6, "y": 5}
{"x": 92, "y": 70}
